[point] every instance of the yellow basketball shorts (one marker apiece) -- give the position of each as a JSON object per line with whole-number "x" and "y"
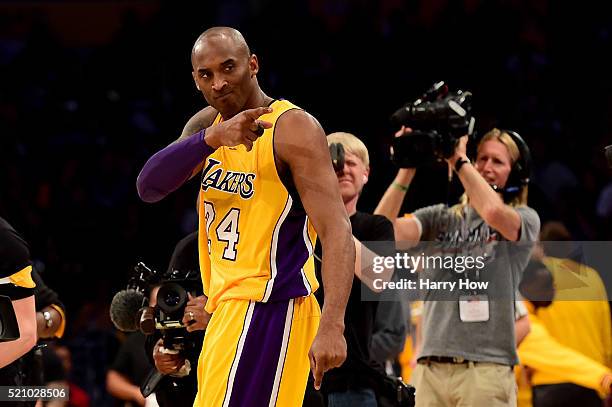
{"x": 256, "y": 354}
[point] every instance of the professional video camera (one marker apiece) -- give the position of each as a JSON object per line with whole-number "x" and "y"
{"x": 437, "y": 119}
{"x": 130, "y": 310}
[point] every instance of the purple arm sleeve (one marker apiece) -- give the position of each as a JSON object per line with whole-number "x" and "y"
{"x": 169, "y": 168}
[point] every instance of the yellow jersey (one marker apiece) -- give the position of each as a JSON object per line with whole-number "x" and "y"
{"x": 256, "y": 241}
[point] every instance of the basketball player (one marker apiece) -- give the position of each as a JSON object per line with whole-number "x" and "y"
{"x": 267, "y": 190}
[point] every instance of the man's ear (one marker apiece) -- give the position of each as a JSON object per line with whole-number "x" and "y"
{"x": 193, "y": 75}
{"x": 253, "y": 65}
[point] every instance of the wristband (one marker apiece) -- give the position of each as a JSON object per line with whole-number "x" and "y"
{"x": 459, "y": 163}
{"x": 399, "y": 186}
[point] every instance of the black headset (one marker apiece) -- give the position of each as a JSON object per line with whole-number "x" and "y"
{"x": 521, "y": 169}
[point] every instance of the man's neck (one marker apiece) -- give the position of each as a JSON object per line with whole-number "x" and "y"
{"x": 351, "y": 206}
{"x": 258, "y": 99}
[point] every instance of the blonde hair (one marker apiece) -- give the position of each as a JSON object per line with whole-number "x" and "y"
{"x": 507, "y": 140}
{"x": 351, "y": 144}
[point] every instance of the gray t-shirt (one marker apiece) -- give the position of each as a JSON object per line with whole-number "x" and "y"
{"x": 444, "y": 334}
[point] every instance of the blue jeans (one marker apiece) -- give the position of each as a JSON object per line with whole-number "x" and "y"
{"x": 352, "y": 398}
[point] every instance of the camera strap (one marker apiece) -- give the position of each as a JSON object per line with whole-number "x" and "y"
{"x": 151, "y": 382}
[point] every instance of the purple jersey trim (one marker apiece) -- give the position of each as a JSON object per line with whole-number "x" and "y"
{"x": 291, "y": 255}
{"x": 290, "y": 248}
{"x": 262, "y": 355}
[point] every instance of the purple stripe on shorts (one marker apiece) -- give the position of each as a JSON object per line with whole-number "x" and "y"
{"x": 291, "y": 254}
{"x": 256, "y": 370}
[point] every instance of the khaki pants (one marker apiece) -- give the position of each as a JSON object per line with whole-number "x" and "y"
{"x": 464, "y": 385}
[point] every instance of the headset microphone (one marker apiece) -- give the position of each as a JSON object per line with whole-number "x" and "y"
{"x": 521, "y": 169}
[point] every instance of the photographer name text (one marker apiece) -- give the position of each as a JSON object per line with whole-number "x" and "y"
{"x": 427, "y": 284}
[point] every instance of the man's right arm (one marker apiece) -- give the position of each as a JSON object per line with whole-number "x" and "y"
{"x": 169, "y": 168}
{"x": 172, "y": 166}
{"x": 391, "y": 202}
{"x": 120, "y": 387}
{"x": 406, "y": 229}
{"x": 300, "y": 144}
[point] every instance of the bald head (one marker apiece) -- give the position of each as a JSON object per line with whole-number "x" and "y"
{"x": 225, "y": 71}
{"x": 228, "y": 34}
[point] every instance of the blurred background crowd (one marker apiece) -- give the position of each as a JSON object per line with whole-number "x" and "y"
{"x": 91, "y": 89}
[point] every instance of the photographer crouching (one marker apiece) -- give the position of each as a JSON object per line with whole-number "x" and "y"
{"x": 169, "y": 310}
{"x": 468, "y": 347}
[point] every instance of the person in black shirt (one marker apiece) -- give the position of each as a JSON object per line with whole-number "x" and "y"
{"x": 40, "y": 314}
{"x": 175, "y": 389}
{"x": 17, "y": 284}
{"x": 129, "y": 369}
{"x": 29, "y": 369}
{"x": 355, "y": 382}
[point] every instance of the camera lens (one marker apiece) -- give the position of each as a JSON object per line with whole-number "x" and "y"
{"x": 172, "y": 298}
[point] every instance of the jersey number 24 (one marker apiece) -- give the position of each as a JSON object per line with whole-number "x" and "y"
{"x": 226, "y": 231}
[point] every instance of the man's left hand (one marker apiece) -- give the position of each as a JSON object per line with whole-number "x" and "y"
{"x": 195, "y": 318}
{"x": 328, "y": 351}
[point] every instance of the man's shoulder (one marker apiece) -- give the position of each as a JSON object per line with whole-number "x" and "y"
{"x": 201, "y": 120}
{"x": 371, "y": 227}
{"x": 284, "y": 104}
{"x": 292, "y": 115}
{"x": 530, "y": 223}
{"x": 371, "y": 219}
{"x": 431, "y": 209}
{"x": 527, "y": 212}
{"x": 294, "y": 129}
{"x": 14, "y": 251}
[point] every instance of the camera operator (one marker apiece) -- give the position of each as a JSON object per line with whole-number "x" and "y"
{"x": 358, "y": 380}
{"x": 476, "y": 353}
{"x": 179, "y": 385}
{"x": 16, "y": 283}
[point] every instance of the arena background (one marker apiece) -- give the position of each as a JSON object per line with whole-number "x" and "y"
{"x": 90, "y": 89}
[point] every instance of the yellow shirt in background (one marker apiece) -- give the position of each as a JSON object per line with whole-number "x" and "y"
{"x": 554, "y": 363}
{"x": 579, "y": 316}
